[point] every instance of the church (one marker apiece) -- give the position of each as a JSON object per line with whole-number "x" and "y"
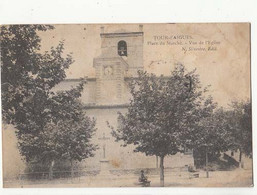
{"x": 104, "y": 95}
{"x": 107, "y": 93}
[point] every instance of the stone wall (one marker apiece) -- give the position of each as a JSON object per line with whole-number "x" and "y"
{"x": 12, "y": 162}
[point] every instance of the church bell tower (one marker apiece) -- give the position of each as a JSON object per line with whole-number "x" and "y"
{"x": 121, "y": 57}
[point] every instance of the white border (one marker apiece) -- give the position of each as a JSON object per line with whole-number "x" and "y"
{"x": 136, "y": 11}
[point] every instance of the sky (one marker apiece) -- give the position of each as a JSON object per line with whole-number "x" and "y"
{"x": 220, "y": 52}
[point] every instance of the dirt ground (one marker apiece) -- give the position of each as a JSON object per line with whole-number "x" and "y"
{"x": 235, "y": 178}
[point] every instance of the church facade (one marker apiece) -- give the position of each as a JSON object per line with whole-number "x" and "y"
{"x": 107, "y": 93}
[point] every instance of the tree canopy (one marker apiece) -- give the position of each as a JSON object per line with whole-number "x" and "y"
{"x": 239, "y": 120}
{"x": 162, "y": 113}
{"x": 28, "y": 75}
{"x": 49, "y": 124}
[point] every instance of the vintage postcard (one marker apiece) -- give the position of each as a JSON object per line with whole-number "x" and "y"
{"x": 126, "y": 105}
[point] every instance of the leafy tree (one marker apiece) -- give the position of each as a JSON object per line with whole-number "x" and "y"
{"x": 40, "y": 114}
{"x": 240, "y": 127}
{"x": 211, "y": 136}
{"x": 28, "y": 75}
{"x": 66, "y": 135}
{"x": 72, "y": 139}
{"x": 73, "y": 131}
{"x": 161, "y": 113}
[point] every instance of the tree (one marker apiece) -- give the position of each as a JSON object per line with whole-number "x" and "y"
{"x": 33, "y": 107}
{"x": 240, "y": 127}
{"x": 28, "y": 75}
{"x": 161, "y": 113}
{"x": 66, "y": 135}
{"x": 73, "y": 130}
{"x": 211, "y": 135}
{"x": 72, "y": 139}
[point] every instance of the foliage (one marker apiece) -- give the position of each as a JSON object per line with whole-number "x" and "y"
{"x": 211, "y": 136}
{"x": 224, "y": 130}
{"x": 212, "y": 132}
{"x": 163, "y": 112}
{"x": 67, "y": 133}
{"x": 28, "y": 75}
{"x": 240, "y": 126}
{"x": 73, "y": 133}
{"x": 49, "y": 124}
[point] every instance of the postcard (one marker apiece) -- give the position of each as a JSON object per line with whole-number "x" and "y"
{"x": 126, "y": 105}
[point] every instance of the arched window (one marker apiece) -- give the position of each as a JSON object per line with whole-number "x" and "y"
{"x": 122, "y": 48}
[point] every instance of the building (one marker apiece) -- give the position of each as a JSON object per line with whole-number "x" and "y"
{"x": 108, "y": 93}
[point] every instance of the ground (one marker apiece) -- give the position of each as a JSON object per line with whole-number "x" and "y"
{"x": 235, "y": 178}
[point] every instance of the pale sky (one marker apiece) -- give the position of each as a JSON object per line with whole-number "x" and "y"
{"x": 226, "y": 69}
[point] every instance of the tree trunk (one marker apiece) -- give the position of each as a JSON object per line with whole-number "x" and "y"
{"x": 161, "y": 171}
{"x": 72, "y": 172}
{"x": 206, "y": 165}
{"x": 51, "y": 170}
{"x": 157, "y": 162}
{"x": 240, "y": 158}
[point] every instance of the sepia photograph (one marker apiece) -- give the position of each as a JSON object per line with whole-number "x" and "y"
{"x": 126, "y": 105}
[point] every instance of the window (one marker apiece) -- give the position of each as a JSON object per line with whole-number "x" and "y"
{"x": 122, "y": 48}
